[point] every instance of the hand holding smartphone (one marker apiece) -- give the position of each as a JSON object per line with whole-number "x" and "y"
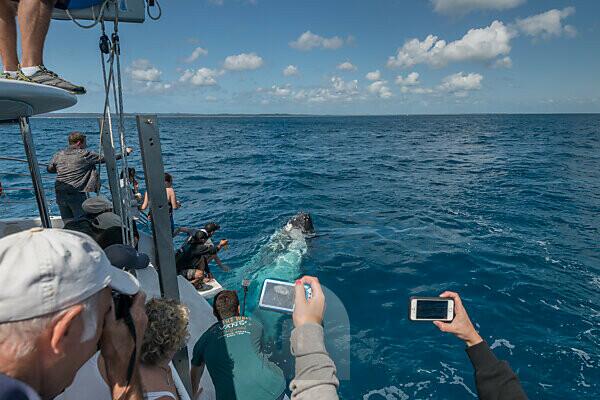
{"x": 431, "y": 309}
{"x": 280, "y": 296}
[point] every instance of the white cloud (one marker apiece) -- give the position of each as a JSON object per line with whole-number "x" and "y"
{"x": 461, "y": 82}
{"x": 201, "y": 77}
{"x": 280, "y": 91}
{"x": 342, "y": 87}
{"x": 548, "y": 24}
{"x": 338, "y": 90}
{"x": 483, "y": 44}
{"x": 465, "y": 6}
{"x": 244, "y": 61}
{"x": 411, "y": 79}
{"x": 346, "y": 66}
{"x": 309, "y": 41}
{"x": 373, "y": 75}
{"x": 141, "y": 70}
{"x": 505, "y": 62}
{"x": 154, "y": 87}
{"x": 380, "y": 89}
{"x": 290, "y": 70}
{"x": 198, "y": 51}
{"x": 416, "y": 90}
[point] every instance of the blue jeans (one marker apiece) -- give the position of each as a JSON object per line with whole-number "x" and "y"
{"x": 69, "y": 204}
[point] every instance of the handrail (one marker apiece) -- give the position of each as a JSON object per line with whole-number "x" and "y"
{"x": 21, "y": 160}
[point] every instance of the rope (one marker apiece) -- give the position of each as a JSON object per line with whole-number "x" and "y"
{"x": 109, "y": 82}
{"x": 117, "y": 87}
{"x": 150, "y": 14}
{"x": 95, "y": 19}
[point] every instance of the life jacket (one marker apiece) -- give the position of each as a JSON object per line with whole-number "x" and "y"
{"x": 185, "y": 260}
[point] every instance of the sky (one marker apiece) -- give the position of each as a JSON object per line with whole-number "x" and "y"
{"x": 347, "y": 57}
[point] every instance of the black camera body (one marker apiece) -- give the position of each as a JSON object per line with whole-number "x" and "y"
{"x": 122, "y": 304}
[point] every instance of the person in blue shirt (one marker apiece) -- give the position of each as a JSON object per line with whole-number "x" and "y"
{"x": 232, "y": 350}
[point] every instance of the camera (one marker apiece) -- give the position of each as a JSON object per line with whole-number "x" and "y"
{"x": 122, "y": 304}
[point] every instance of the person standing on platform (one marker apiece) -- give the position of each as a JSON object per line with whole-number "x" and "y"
{"x": 77, "y": 176}
{"x": 34, "y": 21}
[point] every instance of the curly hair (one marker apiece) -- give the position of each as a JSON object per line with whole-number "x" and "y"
{"x": 167, "y": 330}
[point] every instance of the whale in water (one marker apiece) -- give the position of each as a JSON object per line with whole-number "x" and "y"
{"x": 280, "y": 258}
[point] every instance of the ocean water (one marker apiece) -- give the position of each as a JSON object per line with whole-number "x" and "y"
{"x": 504, "y": 209}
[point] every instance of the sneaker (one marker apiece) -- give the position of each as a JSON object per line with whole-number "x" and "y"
{"x": 49, "y": 78}
{"x": 4, "y": 75}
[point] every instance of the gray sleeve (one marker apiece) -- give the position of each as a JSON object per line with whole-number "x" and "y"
{"x": 94, "y": 158}
{"x": 51, "y": 168}
{"x": 315, "y": 371}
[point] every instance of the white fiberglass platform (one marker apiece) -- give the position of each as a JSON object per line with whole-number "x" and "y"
{"x": 24, "y": 99}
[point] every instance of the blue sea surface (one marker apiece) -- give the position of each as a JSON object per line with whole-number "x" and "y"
{"x": 504, "y": 209}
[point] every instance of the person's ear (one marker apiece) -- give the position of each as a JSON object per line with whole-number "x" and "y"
{"x": 63, "y": 327}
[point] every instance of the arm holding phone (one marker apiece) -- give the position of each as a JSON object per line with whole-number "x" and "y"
{"x": 494, "y": 378}
{"x": 315, "y": 370}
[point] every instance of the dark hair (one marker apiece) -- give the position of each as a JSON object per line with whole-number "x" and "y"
{"x": 76, "y": 137}
{"x": 168, "y": 177}
{"x": 226, "y": 305}
{"x": 108, "y": 237}
{"x": 199, "y": 237}
{"x": 211, "y": 228}
{"x": 131, "y": 173}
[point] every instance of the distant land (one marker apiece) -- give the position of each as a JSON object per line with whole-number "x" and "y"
{"x": 226, "y": 115}
{"x": 167, "y": 115}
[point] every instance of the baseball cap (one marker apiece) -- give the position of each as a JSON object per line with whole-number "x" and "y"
{"x": 48, "y": 270}
{"x": 126, "y": 257}
{"x": 106, "y": 220}
{"x": 96, "y": 205}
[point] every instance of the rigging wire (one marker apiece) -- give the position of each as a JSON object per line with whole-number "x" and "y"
{"x": 118, "y": 88}
{"x": 112, "y": 80}
{"x": 109, "y": 83}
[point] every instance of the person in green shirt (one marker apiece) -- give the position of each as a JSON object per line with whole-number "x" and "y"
{"x": 232, "y": 350}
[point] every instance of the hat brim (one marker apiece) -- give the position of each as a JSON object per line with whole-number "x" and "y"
{"x": 122, "y": 281}
{"x": 106, "y": 220}
{"x": 142, "y": 261}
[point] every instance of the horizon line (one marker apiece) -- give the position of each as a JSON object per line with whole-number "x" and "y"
{"x": 208, "y": 115}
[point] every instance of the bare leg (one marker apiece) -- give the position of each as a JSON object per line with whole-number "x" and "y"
{"x": 34, "y": 21}
{"x": 8, "y": 35}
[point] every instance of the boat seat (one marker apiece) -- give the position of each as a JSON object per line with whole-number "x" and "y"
{"x": 24, "y": 99}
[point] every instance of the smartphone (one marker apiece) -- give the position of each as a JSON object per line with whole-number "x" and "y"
{"x": 280, "y": 296}
{"x": 431, "y": 309}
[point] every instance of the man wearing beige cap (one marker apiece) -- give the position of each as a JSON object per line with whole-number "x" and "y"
{"x": 56, "y": 311}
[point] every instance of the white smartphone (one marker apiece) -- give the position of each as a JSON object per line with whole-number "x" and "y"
{"x": 280, "y": 296}
{"x": 431, "y": 309}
